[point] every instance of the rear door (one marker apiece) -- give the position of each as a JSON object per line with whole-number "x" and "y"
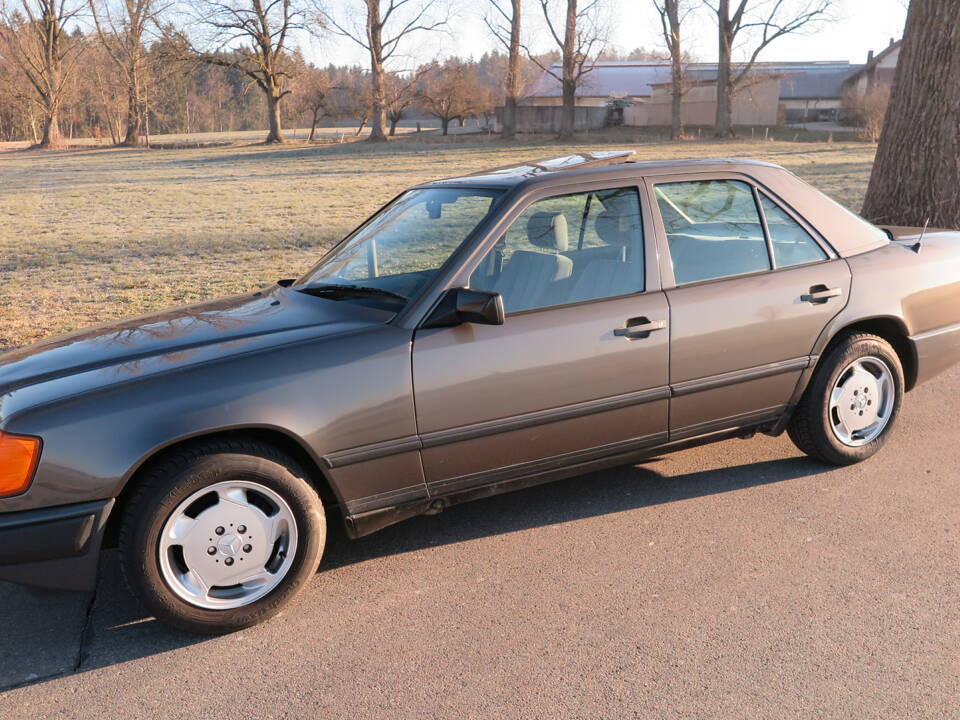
{"x": 579, "y": 369}
{"x": 752, "y": 288}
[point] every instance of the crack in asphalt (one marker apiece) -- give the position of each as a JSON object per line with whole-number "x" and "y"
{"x": 86, "y": 631}
{"x": 83, "y": 640}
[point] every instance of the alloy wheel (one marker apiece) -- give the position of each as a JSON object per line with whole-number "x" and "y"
{"x": 862, "y": 401}
{"x": 227, "y": 545}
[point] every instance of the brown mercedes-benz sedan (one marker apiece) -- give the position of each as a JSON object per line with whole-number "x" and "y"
{"x": 476, "y": 335}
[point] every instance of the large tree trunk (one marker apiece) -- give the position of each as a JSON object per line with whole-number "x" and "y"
{"x": 513, "y": 76}
{"x": 676, "y": 70}
{"x": 132, "y": 137}
{"x": 379, "y": 109}
{"x": 445, "y": 124}
{"x": 723, "y": 124}
{"x": 509, "y": 127}
{"x": 569, "y": 114}
{"x": 273, "y": 116}
{"x": 379, "y": 99}
{"x": 569, "y": 82}
{"x": 916, "y": 175}
{"x": 676, "y": 108}
{"x": 393, "y": 125}
{"x": 51, "y": 129}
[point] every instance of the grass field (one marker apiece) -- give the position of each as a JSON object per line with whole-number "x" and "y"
{"x": 89, "y": 235}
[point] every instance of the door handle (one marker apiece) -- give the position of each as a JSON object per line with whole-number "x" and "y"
{"x": 639, "y": 327}
{"x": 820, "y": 294}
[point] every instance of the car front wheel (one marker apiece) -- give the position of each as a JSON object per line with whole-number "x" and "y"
{"x": 221, "y": 536}
{"x": 852, "y": 402}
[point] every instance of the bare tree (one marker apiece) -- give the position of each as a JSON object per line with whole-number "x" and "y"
{"x": 451, "y": 91}
{"x": 254, "y": 37}
{"x": 867, "y": 109}
{"x": 672, "y": 14}
{"x": 401, "y": 92}
{"x": 764, "y": 21}
{"x": 387, "y": 23}
{"x": 35, "y": 35}
{"x": 916, "y": 176}
{"x": 582, "y": 39}
{"x": 103, "y": 85}
{"x": 19, "y": 113}
{"x": 505, "y": 26}
{"x": 121, "y": 25}
{"x": 349, "y": 95}
{"x": 311, "y": 96}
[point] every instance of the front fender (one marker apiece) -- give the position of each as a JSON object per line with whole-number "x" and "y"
{"x": 328, "y": 394}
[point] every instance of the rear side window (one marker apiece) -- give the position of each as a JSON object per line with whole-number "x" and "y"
{"x": 713, "y": 228}
{"x": 792, "y": 245}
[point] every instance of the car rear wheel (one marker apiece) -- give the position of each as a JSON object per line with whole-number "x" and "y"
{"x": 221, "y": 536}
{"x": 852, "y": 401}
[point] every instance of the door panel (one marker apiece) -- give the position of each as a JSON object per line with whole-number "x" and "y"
{"x": 545, "y": 383}
{"x": 756, "y": 332}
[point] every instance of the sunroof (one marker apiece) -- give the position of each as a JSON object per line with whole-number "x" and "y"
{"x": 565, "y": 162}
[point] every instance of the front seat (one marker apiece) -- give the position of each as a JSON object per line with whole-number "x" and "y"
{"x": 609, "y": 278}
{"x": 529, "y": 278}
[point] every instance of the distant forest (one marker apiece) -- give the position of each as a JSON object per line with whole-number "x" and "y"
{"x": 122, "y": 70}
{"x": 181, "y": 96}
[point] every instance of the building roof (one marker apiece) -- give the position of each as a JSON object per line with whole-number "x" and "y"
{"x": 632, "y": 79}
{"x": 872, "y": 65}
{"x": 815, "y": 85}
{"x": 812, "y": 79}
{"x": 797, "y": 80}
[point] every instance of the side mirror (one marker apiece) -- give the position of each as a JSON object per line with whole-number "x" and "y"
{"x": 462, "y": 305}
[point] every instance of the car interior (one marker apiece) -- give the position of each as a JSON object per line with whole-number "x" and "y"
{"x": 714, "y": 230}
{"x": 566, "y": 250}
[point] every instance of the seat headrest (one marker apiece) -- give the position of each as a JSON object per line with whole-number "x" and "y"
{"x": 548, "y": 230}
{"x": 612, "y": 229}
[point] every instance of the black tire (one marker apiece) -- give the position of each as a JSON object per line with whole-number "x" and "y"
{"x": 810, "y": 428}
{"x": 184, "y": 472}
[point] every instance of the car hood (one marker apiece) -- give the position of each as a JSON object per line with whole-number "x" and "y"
{"x": 186, "y": 335}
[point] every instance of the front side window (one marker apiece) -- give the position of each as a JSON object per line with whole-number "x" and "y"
{"x": 391, "y": 257}
{"x": 792, "y": 245}
{"x": 713, "y": 228}
{"x": 566, "y": 249}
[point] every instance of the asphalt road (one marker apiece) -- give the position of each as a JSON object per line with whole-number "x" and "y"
{"x": 734, "y": 581}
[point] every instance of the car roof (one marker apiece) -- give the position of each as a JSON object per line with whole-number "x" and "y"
{"x": 839, "y": 226}
{"x": 589, "y": 165}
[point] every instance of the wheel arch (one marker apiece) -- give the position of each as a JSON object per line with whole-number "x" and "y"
{"x": 890, "y": 328}
{"x": 288, "y": 444}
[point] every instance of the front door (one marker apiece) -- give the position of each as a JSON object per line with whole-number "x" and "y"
{"x": 578, "y": 371}
{"x": 754, "y": 289}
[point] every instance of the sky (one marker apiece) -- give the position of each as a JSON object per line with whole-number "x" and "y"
{"x": 858, "y": 26}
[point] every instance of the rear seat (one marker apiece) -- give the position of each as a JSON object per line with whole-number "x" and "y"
{"x": 705, "y": 255}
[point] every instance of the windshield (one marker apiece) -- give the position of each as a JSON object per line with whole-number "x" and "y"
{"x": 393, "y": 255}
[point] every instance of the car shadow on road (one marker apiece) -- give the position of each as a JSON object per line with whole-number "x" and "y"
{"x": 600, "y": 493}
{"x": 117, "y": 630}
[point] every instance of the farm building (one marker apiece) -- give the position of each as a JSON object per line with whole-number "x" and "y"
{"x": 879, "y": 69}
{"x": 775, "y": 92}
{"x": 755, "y": 104}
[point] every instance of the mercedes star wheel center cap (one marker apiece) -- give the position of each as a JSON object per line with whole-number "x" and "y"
{"x": 229, "y": 545}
